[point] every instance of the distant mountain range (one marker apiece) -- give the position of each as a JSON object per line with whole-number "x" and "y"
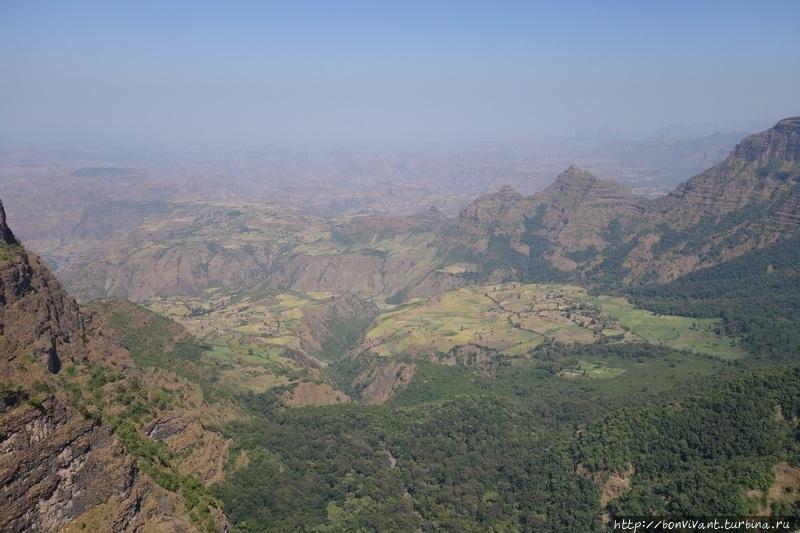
{"x": 579, "y": 228}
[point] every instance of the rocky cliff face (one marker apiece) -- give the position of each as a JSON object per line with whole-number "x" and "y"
{"x": 57, "y": 466}
{"x": 749, "y": 200}
{"x": 782, "y": 142}
{"x": 763, "y": 168}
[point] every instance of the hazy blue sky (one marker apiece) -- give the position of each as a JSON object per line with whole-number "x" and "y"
{"x": 235, "y": 72}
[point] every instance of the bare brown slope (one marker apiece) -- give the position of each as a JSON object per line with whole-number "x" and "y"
{"x": 189, "y": 248}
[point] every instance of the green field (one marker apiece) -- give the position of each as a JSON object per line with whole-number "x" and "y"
{"x": 513, "y": 318}
{"x": 693, "y": 334}
{"x": 592, "y": 370}
{"x": 245, "y": 334}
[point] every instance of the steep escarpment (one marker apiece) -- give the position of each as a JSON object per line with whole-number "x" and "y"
{"x": 763, "y": 168}
{"x": 60, "y": 464}
{"x": 782, "y": 142}
{"x": 165, "y": 371}
{"x": 748, "y": 201}
{"x": 37, "y": 318}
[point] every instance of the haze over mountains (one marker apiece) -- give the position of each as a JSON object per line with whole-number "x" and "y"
{"x": 482, "y": 369}
{"x": 142, "y": 236}
{"x": 77, "y": 192}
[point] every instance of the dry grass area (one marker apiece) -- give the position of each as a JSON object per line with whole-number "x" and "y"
{"x": 615, "y": 486}
{"x": 787, "y": 484}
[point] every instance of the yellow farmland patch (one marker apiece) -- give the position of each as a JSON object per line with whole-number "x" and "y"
{"x": 514, "y": 318}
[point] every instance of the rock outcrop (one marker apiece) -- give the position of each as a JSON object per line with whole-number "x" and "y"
{"x": 58, "y": 465}
{"x": 5, "y": 233}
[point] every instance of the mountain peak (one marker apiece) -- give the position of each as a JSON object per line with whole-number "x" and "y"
{"x": 574, "y": 169}
{"x": 506, "y": 191}
{"x": 575, "y": 182}
{"x": 788, "y": 124}
{"x": 6, "y": 234}
{"x": 781, "y": 142}
{"x": 574, "y": 175}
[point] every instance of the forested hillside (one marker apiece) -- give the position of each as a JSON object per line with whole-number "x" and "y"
{"x": 757, "y": 296}
{"x": 494, "y": 461}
